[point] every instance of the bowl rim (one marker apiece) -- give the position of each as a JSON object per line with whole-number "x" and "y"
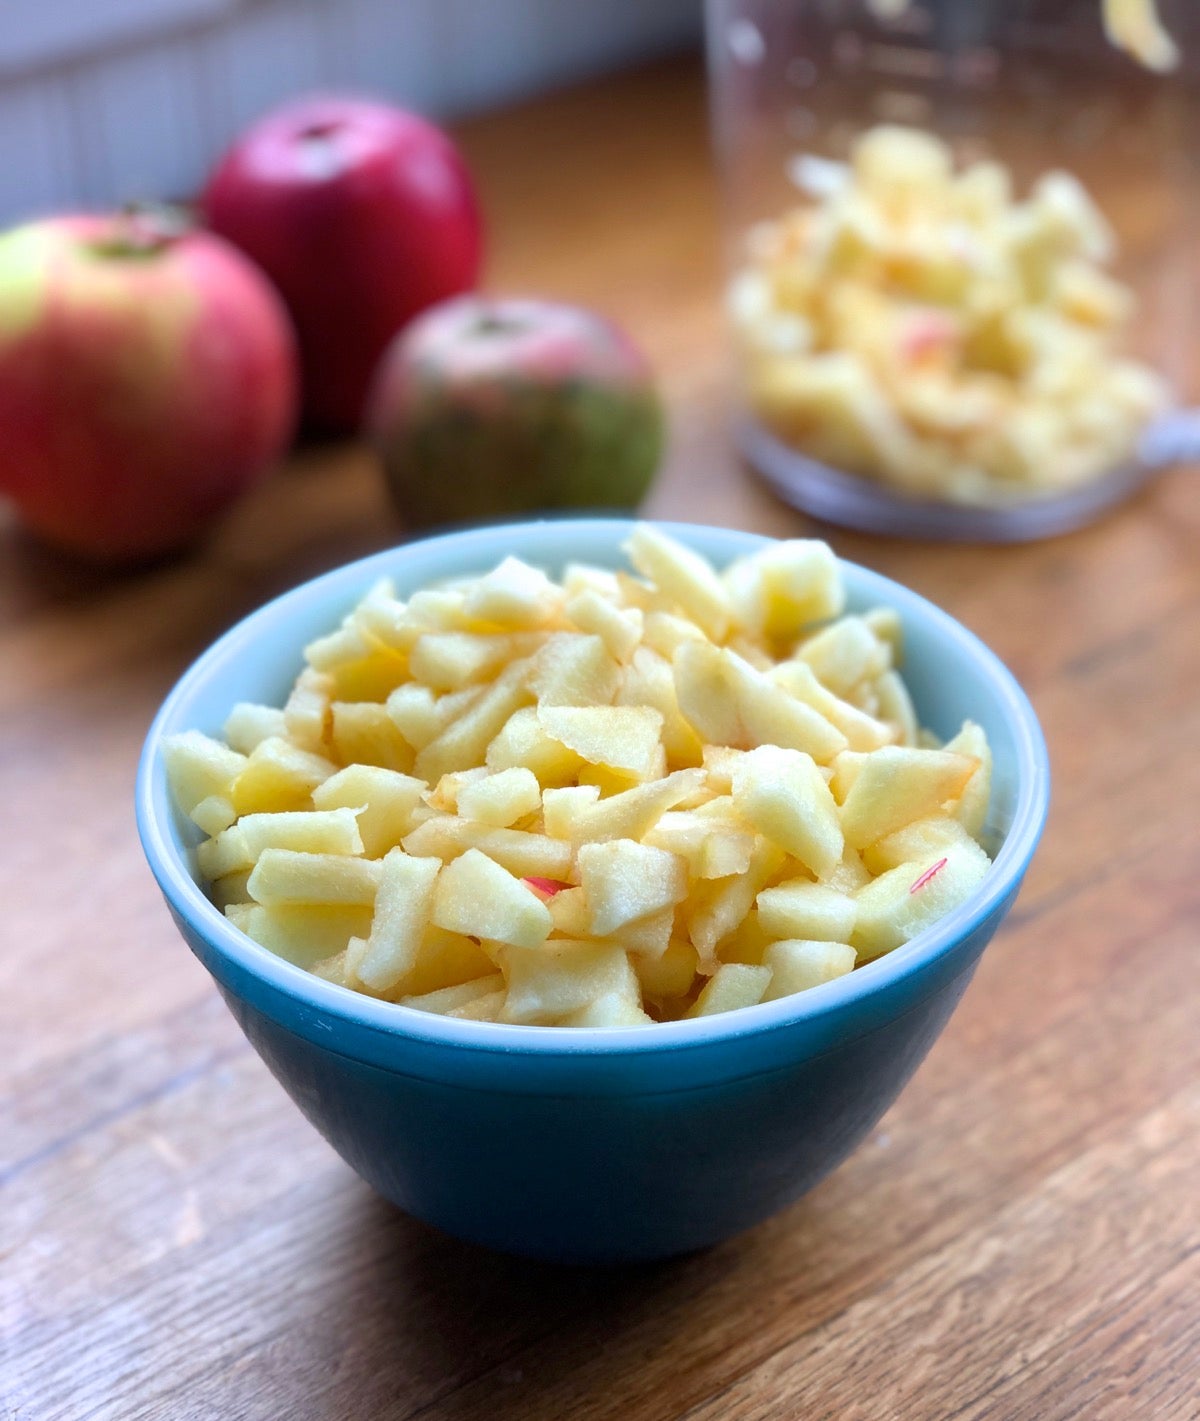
{"x": 187, "y": 900}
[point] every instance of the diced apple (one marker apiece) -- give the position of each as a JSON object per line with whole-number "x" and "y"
{"x": 522, "y": 743}
{"x": 665, "y": 633}
{"x": 650, "y": 681}
{"x": 796, "y": 965}
{"x": 715, "y": 909}
{"x": 800, "y": 908}
{"x": 403, "y": 905}
{"x": 896, "y": 707}
{"x": 306, "y": 714}
{"x": 569, "y": 913}
{"x": 778, "y": 592}
{"x": 302, "y": 934}
{"x": 619, "y": 629}
{"x": 384, "y": 800}
{"x": 548, "y": 983}
{"x": 574, "y": 669}
{"x": 464, "y": 743}
{"x": 895, "y": 907}
{"x": 713, "y": 847}
{"x": 623, "y": 881}
{"x": 972, "y": 807}
{"x": 527, "y": 855}
{"x": 214, "y": 814}
{"x": 363, "y": 733}
{"x": 727, "y": 702}
{"x": 844, "y": 654}
{"x": 478, "y": 898}
{"x": 784, "y": 796}
{"x": 622, "y": 738}
{"x": 448, "y": 1001}
{"x": 921, "y": 840}
{"x": 668, "y": 975}
{"x": 199, "y": 766}
{"x": 862, "y": 731}
{"x": 514, "y": 595}
{"x": 278, "y": 776}
{"x": 449, "y": 661}
{"x": 898, "y": 784}
{"x": 577, "y": 814}
{"x": 734, "y": 985}
{"x": 684, "y": 576}
{"x": 248, "y": 725}
{"x": 614, "y": 1009}
{"x": 501, "y": 799}
{"x": 287, "y": 876}
{"x": 443, "y": 959}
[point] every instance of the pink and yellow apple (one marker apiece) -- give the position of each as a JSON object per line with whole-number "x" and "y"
{"x": 147, "y": 377}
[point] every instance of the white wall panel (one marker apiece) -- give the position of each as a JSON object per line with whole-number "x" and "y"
{"x": 106, "y": 100}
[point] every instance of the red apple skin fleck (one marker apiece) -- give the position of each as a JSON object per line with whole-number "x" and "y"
{"x": 147, "y": 378}
{"x": 362, "y": 215}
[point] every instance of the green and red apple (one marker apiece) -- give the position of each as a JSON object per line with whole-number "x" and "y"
{"x": 493, "y": 407}
{"x": 147, "y": 377}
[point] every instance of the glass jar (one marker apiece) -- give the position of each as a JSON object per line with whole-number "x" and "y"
{"x": 962, "y": 252}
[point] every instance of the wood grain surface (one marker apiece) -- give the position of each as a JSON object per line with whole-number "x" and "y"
{"x": 1018, "y": 1239}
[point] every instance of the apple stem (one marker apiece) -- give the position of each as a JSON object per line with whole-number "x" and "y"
{"x": 143, "y": 229}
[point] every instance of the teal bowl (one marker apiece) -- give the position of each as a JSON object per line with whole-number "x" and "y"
{"x": 595, "y": 1145}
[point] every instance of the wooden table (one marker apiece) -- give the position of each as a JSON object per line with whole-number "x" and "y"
{"x": 1019, "y": 1237}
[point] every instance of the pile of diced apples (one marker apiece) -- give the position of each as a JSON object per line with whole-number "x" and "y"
{"x": 613, "y": 800}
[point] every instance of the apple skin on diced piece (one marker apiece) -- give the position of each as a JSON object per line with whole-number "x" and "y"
{"x": 893, "y": 908}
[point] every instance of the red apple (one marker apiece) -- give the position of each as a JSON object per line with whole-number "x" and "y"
{"x": 147, "y": 377}
{"x": 489, "y": 407}
{"x": 362, "y": 215}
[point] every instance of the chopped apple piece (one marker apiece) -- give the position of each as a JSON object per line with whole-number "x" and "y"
{"x": 713, "y": 847}
{"x": 478, "y": 898}
{"x": 288, "y": 876}
{"x": 619, "y": 629}
{"x": 214, "y": 814}
{"x": 579, "y": 815}
{"x": 548, "y": 983}
{"x": 522, "y": 743}
{"x": 715, "y": 909}
{"x": 200, "y": 767}
{"x": 650, "y": 681}
{"x": 796, "y": 965}
{"x": 803, "y": 909}
{"x": 383, "y": 800}
{"x": 574, "y": 669}
{"x": 525, "y": 854}
{"x": 514, "y": 595}
{"x": 916, "y": 842}
{"x": 306, "y": 713}
{"x": 665, "y": 633}
{"x": 734, "y": 985}
{"x": 778, "y": 592}
{"x": 669, "y": 975}
{"x": 403, "y": 906}
{"x": 622, "y": 738}
{"x": 248, "y": 725}
{"x": 684, "y": 576}
{"x": 728, "y": 702}
{"x": 623, "y": 881}
{"x": 449, "y": 661}
{"x": 972, "y": 807}
{"x": 463, "y": 744}
{"x": 363, "y": 733}
{"x": 898, "y": 784}
{"x": 896, "y": 707}
{"x": 846, "y": 653}
{"x": 301, "y": 933}
{"x": 278, "y": 776}
{"x": 443, "y": 960}
{"x": 447, "y": 1001}
{"x": 862, "y": 731}
{"x": 614, "y": 1009}
{"x": 501, "y": 799}
{"x": 895, "y": 907}
{"x": 784, "y": 795}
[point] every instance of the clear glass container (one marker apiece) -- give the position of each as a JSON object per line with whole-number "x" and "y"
{"x": 963, "y": 251}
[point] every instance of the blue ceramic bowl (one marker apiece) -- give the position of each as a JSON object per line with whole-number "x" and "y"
{"x": 592, "y": 1145}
